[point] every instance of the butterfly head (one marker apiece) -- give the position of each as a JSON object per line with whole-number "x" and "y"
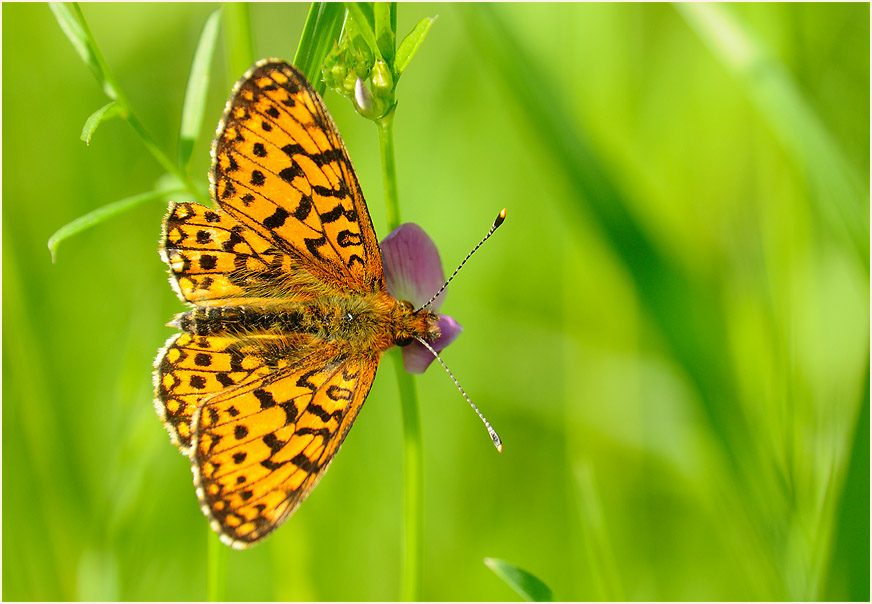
{"x": 416, "y": 324}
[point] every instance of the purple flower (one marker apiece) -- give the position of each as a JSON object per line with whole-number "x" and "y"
{"x": 413, "y": 272}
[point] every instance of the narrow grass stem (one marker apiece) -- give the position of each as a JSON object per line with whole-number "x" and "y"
{"x": 389, "y": 169}
{"x": 113, "y": 90}
{"x": 413, "y": 468}
{"x": 413, "y": 462}
{"x": 216, "y": 563}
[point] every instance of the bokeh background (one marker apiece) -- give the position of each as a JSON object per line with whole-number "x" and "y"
{"x": 670, "y": 332}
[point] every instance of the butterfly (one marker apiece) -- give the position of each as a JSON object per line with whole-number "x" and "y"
{"x": 289, "y": 309}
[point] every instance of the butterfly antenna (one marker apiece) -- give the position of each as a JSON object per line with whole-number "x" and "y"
{"x": 493, "y": 433}
{"x": 500, "y": 218}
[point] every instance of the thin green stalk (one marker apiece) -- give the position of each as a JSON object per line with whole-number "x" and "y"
{"x": 113, "y": 90}
{"x": 413, "y": 463}
{"x": 389, "y": 169}
{"x": 216, "y": 563}
{"x": 413, "y": 491}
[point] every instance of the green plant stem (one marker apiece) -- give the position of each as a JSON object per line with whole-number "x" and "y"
{"x": 413, "y": 492}
{"x": 389, "y": 169}
{"x": 216, "y": 563}
{"x": 413, "y": 463}
{"x": 113, "y": 90}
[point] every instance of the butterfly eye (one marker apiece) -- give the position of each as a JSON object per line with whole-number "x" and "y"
{"x": 406, "y": 305}
{"x": 404, "y": 341}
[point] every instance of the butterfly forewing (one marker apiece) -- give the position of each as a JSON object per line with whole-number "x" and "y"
{"x": 280, "y": 168}
{"x": 215, "y": 261}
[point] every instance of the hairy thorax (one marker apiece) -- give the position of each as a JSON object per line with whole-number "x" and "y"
{"x": 361, "y": 325}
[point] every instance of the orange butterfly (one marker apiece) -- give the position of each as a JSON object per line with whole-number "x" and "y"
{"x": 290, "y": 313}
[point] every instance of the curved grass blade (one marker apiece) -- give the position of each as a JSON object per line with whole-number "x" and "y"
{"x": 107, "y": 111}
{"x": 198, "y": 86}
{"x": 237, "y": 38}
{"x": 528, "y": 587}
{"x": 839, "y": 195}
{"x": 103, "y": 213}
{"x": 82, "y": 42}
{"x": 410, "y": 44}
{"x": 321, "y": 31}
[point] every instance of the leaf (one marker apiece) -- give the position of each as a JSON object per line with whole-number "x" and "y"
{"x": 236, "y": 19}
{"x": 103, "y": 213}
{"x": 385, "y": 28}
{"x": 528, "y": 587}
{"x": 322, "y": 29}
{"x": 410, "y": 44}
{"x": 198, "y": 86}
{"x": 364, "y": 25}
{"x": 107, "y": 111}
{"x": 73, "y": 26}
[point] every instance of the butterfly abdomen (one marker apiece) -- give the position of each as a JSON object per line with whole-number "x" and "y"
{"x": 362, "y": 324}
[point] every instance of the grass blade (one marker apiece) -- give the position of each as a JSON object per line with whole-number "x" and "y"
{"x": 107, "y": 111}
{"x": 410, "y": 44}
{"x": 237, "y": 38}
{"x": 322, "y": 29}
{"x": 103, "y": 213}
{"x": 81, "y": 41}
{"x": 839, "y": 196}
{"x": 848, "y": 573}
{"x": 528, "y": 586}
{"x": 198, "y": 86}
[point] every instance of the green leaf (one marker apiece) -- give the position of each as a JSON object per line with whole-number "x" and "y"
{"x": 364, "y": 21}
{"x": 410, "y": 44}
{"x": 198, "y": 86}
{"x": 80, "y": 37}
{"x": 103, "y": 213}
{"x": 528, "y": 587}
{"x": 107, "y": 111}
{"x": 236, "y": 18}
{"x": 321, "y": 31}
{"x": 385, "y": 28}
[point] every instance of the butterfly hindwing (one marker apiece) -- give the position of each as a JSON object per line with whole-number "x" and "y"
{"x": 191, "y": 368}
{"x": 280, "y": 168}
{"x": 261, "y": 447}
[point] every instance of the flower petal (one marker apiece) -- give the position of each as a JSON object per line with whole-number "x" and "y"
{"x": 412, "y": 267}
{"x": 416, "y": 358}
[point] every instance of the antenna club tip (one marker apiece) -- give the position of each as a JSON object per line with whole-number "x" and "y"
{"x": 500, "y": 218}
{"x": 500, "y": 448}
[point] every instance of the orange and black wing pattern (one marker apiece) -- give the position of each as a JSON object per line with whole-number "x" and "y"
{"x": 260, "y": 448}
{"x": 280, "y": 168}
{"x": 259, "y": 402}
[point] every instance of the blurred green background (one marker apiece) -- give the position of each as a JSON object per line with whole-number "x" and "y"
{"x": 670, "y": 332}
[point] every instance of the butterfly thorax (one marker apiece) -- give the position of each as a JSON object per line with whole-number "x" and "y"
{"x": 361, "y": 324}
